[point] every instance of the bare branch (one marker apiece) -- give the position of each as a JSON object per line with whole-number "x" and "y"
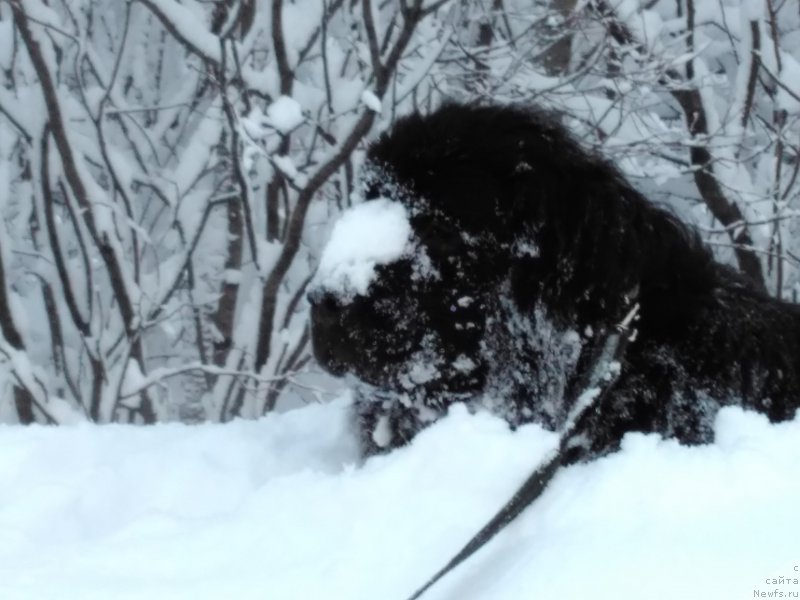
{"x": 755, "y": 65}
{"x": 372, "y": 37}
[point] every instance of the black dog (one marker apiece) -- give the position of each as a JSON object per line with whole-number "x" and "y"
{"x": 524, "y": 253}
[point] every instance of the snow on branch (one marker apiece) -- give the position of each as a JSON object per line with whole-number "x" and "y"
{"x": 186, "y": 27}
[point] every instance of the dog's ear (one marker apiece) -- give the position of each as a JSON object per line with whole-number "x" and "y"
{"x": 579, "y": 247}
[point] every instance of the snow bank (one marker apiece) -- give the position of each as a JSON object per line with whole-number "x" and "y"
{"x": 373, "y": 233}
{"x": 278, "y": 509}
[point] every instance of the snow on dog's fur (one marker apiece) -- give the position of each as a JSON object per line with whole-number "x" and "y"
{"x": 519, "y": 254}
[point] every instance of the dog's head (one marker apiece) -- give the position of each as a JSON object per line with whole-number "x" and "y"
{"x": 401, "y": 294}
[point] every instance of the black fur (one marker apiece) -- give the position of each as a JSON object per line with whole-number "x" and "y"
{"x": 533, "y": 250}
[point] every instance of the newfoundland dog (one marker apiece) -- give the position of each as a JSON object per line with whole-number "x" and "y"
{"x": 490, "y": 262}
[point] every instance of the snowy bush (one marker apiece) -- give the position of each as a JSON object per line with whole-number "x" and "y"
{"x": 168, "y": 170}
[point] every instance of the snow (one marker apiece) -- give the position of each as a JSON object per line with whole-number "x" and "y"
{"x": 371, "y": 101}
{"x": 134, "y": 380}
{"x": 280, "y": 508}
{"x": 285, "y": 114}
{"x": 373, "y": 233}
{"x": 788, "y": 97}
{"x": 188, "y": 26}
{"x": 753, "y": 10}
{"x": 286, "y": 165}
{"x": 6, "y": 44}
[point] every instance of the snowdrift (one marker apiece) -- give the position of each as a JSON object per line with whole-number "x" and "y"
{"x": 279, "y": 509}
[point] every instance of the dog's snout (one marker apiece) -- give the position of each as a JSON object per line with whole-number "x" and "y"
{"x": 328, "y": 334}
{"x": 311, "y": 297}
{"x": 323, "y": 302}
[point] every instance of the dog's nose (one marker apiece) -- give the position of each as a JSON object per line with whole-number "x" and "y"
{"x": 324, "y": 304}
{"x": 328, "y": 334}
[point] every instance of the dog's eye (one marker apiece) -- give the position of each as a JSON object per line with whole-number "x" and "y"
{"x": 439, "y": 235}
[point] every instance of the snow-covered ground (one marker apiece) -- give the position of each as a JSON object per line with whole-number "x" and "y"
{"x": 279, "y": 509}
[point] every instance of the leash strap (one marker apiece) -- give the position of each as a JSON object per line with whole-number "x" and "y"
{"x": 601, "y": 378}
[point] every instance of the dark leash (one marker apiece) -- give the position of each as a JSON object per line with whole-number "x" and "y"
{"x": 600, "y": 379}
